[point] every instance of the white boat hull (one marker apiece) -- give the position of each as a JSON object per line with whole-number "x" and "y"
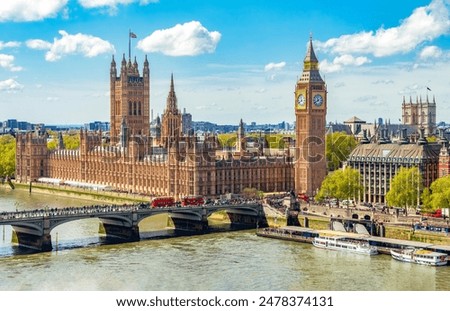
{"x": 420, "y": 257}
{"x": 342, "y": 244}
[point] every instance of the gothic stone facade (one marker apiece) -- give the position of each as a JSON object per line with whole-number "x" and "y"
{"x": 189, "y": 167}
{"x": 133, "y": 161}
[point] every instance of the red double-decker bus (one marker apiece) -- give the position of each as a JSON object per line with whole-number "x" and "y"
{"x": 195, "y": 200}
{"x": 303, "y": 197}
{"x": 163, "y": 202}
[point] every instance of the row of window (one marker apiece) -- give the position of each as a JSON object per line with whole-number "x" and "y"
{"x": 134, "y": 108}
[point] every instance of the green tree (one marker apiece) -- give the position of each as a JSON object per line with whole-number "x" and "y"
{"x": 8, "y": 155}
{"x": 432, "y": 139}
{"x": 71, "y": 141}
{"x": 405, "y": 188}
{"x": 341, "y": 184}
{"x": 338, "y": 147}
{"x": 426, "y": 200}
{"x": 227, "y": 140}
{"x": 438, "y": 195}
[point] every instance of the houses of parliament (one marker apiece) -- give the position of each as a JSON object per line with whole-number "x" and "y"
{"x": 173, "y": 163}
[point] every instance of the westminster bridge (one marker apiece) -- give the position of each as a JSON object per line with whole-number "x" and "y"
{"x": 121, "y": 222}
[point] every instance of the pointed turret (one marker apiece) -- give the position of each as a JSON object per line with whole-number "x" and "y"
{"x": 310, "y": 55}
{"x": 310, "y": 66}
{"x": 123, "y": 67}
{"x": 146, "y": 69}
{"x": 113, "y": 70}
{"x": 171, "y": 103}
{"x": 171, "y": 120}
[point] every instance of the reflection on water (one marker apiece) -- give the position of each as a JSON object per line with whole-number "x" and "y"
{"x": 219, "y": 261}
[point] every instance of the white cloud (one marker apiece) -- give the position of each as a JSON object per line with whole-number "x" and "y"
{"x": 9, "y": 44}
{"x": 7, "y": 62}
{"x": 10, "y": 86}
{"x": 38, "y": 44}
{"x": 89, "y": 4}
{"x": 111, "y": 5}
{"x": 188, "y": 39}
{"x": 412, "y": 89}
{"x": 26, "y": 10}
{"x": 383, "y": 81}
{"x": 261, "y": 90}
{"x": 424, "y": 24}
{"x": 340, "y": 61}
{"x": 86, "y": 45}
{"x": 274, "y": 66}
{"x": 430, "y": 52}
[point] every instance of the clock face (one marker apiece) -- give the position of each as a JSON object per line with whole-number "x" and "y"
{"x": 318, "y": 100}
{"x": 301, "y": 100}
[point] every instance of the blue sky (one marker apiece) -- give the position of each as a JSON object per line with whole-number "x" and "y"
{"x": 230, "y": 59}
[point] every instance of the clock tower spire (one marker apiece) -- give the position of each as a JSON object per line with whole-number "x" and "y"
{"x": 310, "y": 102}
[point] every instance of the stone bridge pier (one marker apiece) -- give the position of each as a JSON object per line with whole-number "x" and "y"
{"x": 33, "y": 237}
{"x": 35, "y": 234}
{"x": 117, "y": 228}
{"x": 194, "y": 221}
{"x": 246, "y": 217}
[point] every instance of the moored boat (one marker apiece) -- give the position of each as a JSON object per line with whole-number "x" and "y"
{"x": 343, "y": 243}
{"x": 420, "y": 256}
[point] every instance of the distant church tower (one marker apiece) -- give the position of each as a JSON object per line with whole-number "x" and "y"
{"x": 130, "y": 99}
{"x": 310, "y": 115}
{"x": 421, "y": 114}
{"x": 171, "y": 118}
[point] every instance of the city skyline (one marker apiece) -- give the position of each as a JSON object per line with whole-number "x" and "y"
{"x": 54, "y": 56}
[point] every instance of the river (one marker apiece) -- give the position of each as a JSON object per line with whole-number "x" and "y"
{"x": 221, "y": 261}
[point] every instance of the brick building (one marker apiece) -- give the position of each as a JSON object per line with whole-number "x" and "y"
{"x": 167, "y": 161}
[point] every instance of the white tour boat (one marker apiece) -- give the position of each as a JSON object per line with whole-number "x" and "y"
{"x": 420, "y": 256}
{"x": 343, "y": 243}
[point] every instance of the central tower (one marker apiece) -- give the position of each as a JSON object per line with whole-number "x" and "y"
{"x": 130, "y": 98}
{"x": 310, "y": 102}
{"x": 171, "y": 118}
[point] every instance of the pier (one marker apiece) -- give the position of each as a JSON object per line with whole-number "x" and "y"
{"x": 384, "y": 245}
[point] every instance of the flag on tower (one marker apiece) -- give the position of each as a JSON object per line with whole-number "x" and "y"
{"x": 132, "y": 35}
{"x": 428, "y": 88}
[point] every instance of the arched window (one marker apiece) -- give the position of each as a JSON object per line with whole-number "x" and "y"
{"x": 139, "y": 109}
{"x": 130, "y": 108}
{"x": 134, "y": 108}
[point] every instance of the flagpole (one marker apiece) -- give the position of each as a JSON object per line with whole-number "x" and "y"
{"x": 129, "y": 44}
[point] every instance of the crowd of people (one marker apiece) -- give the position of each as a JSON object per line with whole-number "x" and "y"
{"x": 103, "y": 209}
{"x": 66, "y": 211}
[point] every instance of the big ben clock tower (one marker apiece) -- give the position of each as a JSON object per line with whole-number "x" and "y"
{"x": 310, "y": 115}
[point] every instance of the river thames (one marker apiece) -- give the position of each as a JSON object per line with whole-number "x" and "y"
{"x": 222, "y": 261}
